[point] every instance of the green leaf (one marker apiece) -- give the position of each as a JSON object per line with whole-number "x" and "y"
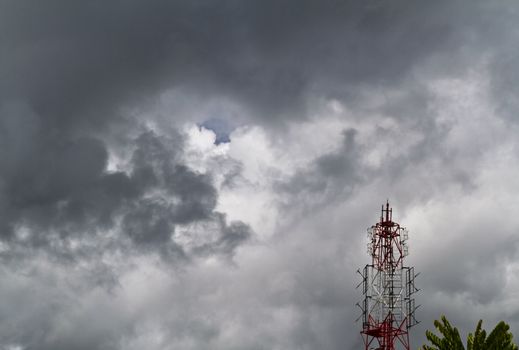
{"x": 449, "y": 339}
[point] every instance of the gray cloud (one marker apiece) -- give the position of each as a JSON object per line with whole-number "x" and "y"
{"x": 61, "y": 186}
{"x": 333, "y": 176}
{"x": 269, "y": 55}
{"x": 74, "y": 228}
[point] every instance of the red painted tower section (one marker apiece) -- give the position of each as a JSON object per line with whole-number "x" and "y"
{"x": 388, "y": 287}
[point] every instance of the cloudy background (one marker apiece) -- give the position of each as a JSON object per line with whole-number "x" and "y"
{"x": 200, "y": 174}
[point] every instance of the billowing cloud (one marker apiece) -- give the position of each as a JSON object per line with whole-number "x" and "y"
{"x": 199, "y": 175}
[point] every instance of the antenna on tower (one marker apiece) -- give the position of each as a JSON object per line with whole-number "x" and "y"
{"x": 388, "y": 308}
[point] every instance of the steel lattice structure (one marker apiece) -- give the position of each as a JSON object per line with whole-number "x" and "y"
{"x": 388, "y": 306}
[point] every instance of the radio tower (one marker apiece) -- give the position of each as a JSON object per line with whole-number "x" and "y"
{"x": 388, "y": 287}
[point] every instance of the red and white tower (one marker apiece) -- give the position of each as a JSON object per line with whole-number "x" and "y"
{"x": 388, "y": 287}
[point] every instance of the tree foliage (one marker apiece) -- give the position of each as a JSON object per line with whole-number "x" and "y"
{"x": 499, "y": 339}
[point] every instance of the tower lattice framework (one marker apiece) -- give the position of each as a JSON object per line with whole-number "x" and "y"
{"x": 388, "y": 307}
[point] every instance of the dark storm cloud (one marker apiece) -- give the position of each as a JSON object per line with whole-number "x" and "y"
{"x": 70, "y": 70}
{"x": 183, "y": 197}
{"x": 49, "y": 179}
{"x": 62, "y": 186}
{"x": 89, "y": 57}
{"x": 69, "y": 196}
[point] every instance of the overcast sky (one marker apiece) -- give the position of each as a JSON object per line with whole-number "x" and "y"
{"x": 200, "y": 174}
